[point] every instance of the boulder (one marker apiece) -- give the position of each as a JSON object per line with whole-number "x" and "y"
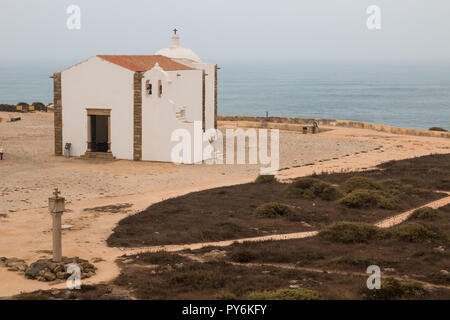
{"x": 49, "y": 276}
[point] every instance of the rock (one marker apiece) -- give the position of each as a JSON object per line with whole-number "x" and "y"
{"x": 444, "y": 272}
{"x": 48, "y": 270}
{"x": 33, "y": 271}
{"x": 306, "y": 224}
{"x": 58, "y": 268}
{"x": 127, "y": 261}
{"x": 49, "y": 276}
{"x": 294, "y": 286}
{"x": 215, "y": 254}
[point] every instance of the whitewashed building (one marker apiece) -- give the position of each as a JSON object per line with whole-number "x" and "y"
{"x": 127, "y": 106}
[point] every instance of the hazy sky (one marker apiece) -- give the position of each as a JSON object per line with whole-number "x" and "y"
{"x": 225, "y": 30}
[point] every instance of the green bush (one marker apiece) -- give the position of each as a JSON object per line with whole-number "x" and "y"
{"x": 415, "y": 232}
{"x": 368, "y": 199}
{"x": 310, "y": 188}
{"x": 273, "y": 210}
{"x": 426, "y": 213}
{"x": 285, "y": 294}
{"x": 265, "y": 178}
{"x": 160, "y": 257}
{"x": 38, "y": 104}
{"x": 437, "y": 129}
{"x": 393, "y": 289}
{"x": 243, "y": 256}
{"x": 357, "y": 183}
{"x": 224, "y": 295}
{"x": 363, "y": 262}
{"x": 439, "y": 171}
{"x": 440, "y": 278}
{"x": 393, "y": 186}
{"x": 351, "y": 232}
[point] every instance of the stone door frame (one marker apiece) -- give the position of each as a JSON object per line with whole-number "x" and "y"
{"x": 97, "y": 112}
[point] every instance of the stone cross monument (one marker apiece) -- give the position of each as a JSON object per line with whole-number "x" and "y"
{"x": 56, "y": 208}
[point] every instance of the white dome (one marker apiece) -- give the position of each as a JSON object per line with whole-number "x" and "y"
{"x": 175, "y": 51}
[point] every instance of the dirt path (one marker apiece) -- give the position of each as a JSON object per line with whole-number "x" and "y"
{"x": 392, "y": 221}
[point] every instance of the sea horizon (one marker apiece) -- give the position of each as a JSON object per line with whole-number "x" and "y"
{"x": 408, "y": 95}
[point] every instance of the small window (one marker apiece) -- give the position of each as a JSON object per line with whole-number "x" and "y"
{"x": 160, "y": 88}
{"x": 148, "y": 88}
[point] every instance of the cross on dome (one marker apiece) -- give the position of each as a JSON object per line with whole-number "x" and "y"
{"x": 176, "y": 51}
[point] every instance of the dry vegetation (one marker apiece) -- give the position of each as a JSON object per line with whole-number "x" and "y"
{"x": 310, "y": 203}
{"x": 413, "y": 256}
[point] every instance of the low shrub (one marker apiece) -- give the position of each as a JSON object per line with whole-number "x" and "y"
{"x": 437, "y": 129}
{"x": 224, "y": 295}
{"x": 426, "y": 213}
{"x": 439, "y": 171}
{"x": 196, "y": 279}
{"x": 440, "y": 278}
{"x": 285, "y": 294}
{"x": 369, "y": 199}
{"x": 401, "y": 189}
{"x": 351, "y": 232}
{"x": 265, "y": 178}
{"x": 310, "y": 188}
{"x": 358, "y": 182}
{"x": 273, "y": 210}
{"x": 363, "y": 262}
{"x": 394, "y": 289}
{"x": 160, "y": 257}
{"x": 38, "y": 105}
{"x": 415, "y": 232}
{"x": 243, "y": 256}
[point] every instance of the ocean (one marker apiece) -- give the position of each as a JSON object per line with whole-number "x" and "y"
{"x": 402, "y": 95}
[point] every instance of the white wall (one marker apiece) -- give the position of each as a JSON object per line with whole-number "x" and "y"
{"x": 209, "y": 88}
{"x": 181, "y": 88}
{"x": 98, "y": 84}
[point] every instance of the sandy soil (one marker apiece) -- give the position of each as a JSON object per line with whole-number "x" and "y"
{"x": 30, "y": 172}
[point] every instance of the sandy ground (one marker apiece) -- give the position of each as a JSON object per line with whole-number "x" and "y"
{"x": 30, "y": 172}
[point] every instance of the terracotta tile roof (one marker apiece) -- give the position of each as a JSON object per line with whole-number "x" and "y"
{"x": 144, "y": 63}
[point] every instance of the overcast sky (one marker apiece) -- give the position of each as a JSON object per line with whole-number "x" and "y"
{"x": 226, "y": 30}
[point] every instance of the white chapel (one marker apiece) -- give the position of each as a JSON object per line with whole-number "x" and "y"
{"x": 128, "y": 106}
